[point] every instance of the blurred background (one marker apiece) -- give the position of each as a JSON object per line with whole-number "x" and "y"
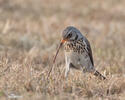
{"x": 30, "y": 31}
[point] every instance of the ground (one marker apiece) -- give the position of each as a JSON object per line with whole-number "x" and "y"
{"x": 30, "y": 31}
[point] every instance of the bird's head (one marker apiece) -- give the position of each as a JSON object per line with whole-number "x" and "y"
{"x": 71, "y": 33}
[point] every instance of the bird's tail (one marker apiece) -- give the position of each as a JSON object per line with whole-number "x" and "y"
{"x": 99, "y": 75}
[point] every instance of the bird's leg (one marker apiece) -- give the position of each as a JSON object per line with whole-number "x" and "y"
{"x": 67, "y": 68}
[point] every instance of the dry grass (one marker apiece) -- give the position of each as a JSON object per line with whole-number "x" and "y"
{"x": 30, "y": 31}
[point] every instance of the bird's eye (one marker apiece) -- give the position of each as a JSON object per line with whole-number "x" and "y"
{"x": 69, "y": 36}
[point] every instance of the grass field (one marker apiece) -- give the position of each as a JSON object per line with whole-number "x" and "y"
{"x": 30, "y": 31}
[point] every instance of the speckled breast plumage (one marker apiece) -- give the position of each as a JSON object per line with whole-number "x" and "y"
{"x": 75, "y": 46}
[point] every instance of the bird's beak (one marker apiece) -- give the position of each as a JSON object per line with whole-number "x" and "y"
{"x": 61, "y": 43}
{"x": 63, "y": 40}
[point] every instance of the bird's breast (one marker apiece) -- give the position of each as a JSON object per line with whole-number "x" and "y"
{"x": 74, "y": 46}
{"x": 75, "y": 52}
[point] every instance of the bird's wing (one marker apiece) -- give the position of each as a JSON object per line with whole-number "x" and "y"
{"x": 88, "y": 50}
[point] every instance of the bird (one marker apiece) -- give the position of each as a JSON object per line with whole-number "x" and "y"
{"x": 78, "y": 52}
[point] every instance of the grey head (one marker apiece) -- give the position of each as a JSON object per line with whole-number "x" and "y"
{"x": 71, "y": 33}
